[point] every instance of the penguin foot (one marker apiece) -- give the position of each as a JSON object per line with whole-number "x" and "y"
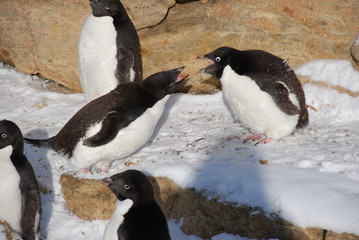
{"x": 264, "y": 141}
{"x": 85, "y": 170}
{"x": 254, "y": 137}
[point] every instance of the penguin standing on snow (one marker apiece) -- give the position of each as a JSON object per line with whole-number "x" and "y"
{"x": 261, "y": 91}
{"x": 115, "y": 125}
{"x": 20, "y": 202}
{"x": 137, "y": 215}
{"x": 108, "y": 40}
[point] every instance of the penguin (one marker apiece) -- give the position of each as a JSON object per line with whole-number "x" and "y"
{"x": 107, "y": 40}
{"x": 116, "y": 124}
{"x": 261, "y": 91}
{"x": 137, "y": 215}
{"x": 20, "y": 201}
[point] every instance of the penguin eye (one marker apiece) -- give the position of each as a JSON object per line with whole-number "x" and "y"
{"x": 107, "y": 7}
{"x": 126, "y": 187}
{"x": 4, "y": 135}
{"x": 217, "y": 59}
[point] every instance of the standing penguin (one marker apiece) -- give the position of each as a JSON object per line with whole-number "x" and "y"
{"x": 137, "y": 215}
{"x": 107, "y": 40}
{"x": 261, "y": 91}
{"x": 115, "y": 125}
{"x": 20, "y": 202}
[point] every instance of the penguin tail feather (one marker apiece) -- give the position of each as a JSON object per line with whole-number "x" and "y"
{"x": 42, "y": 143}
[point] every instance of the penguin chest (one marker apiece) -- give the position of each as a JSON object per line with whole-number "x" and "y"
{"x": 10, "y": 200}
{"x": 97, "y": 60}
{"x": 255, "y": 108}
{"x": 111, "y": 231}
{"x": 127, "y": 141}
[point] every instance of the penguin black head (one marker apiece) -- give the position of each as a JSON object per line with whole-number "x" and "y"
{"x": 162, "y": 83}
{"x": 131, "y": 184}
{"x": 102, "y": 8}
{"x": 10, "y": 134}
{"x": 219, "y": 59}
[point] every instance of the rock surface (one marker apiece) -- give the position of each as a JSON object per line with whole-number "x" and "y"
{"x": 7, "y": 233}
{"x": 40, "y": 37}
{"x": 91, "y": 199}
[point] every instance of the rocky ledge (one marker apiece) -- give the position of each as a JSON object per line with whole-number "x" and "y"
{"x": 91, "y": 199}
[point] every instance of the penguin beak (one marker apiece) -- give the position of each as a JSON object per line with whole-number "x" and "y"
{"x": 203, "y": 70}
{"x": 107, "y": 181}
{"x": 181, "y": 77}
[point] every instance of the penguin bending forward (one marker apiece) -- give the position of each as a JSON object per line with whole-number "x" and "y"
{"x": 261, "y": 91}
{"x": 137, "y": 215}
{"x": 107, "y": 42}
{"x": 115, "y": 125}
{"x": 20, "y": 201}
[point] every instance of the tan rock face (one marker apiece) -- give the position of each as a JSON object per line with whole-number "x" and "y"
{"x": 7, "y": 233}
{"x": 91, "y": 199}
{"x": 297, "y": 30}
{"x": 40, "y": 37}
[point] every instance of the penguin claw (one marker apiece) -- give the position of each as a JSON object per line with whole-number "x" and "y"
{"x": 264, "y": 141}
{"x": 254, "y": 137}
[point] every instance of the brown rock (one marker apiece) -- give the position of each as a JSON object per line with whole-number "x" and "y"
{"x": 297, "y": 30}
{"x": 7, "y": 233}
{"x": 88, "y": 199}
{"x": 40, "y": 37}
{"x": 91, "y": 199}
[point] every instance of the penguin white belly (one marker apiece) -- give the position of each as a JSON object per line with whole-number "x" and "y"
{"x": 122, "y": 207}
{"x": 127, "y": 141}
{"x": 97, "y": 56}
{"x": 255, "y": 108}
{"x": 10, "y": 200}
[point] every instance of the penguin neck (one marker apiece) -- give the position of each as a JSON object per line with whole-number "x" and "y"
{"x": 152, "y": 96}
{"x": 18, "y": 149}
{"x": 120, "y": 16}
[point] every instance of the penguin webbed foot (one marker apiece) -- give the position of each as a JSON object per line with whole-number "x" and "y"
{"x": 256, "y": 137}
{"x": 264, "y": 141}
{"x": 102, "y": 166}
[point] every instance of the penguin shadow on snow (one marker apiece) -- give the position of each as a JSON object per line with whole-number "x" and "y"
{"x": 218, "y": 203}
{"x": 174, "y": 98}
{"x": 38, "y": 158}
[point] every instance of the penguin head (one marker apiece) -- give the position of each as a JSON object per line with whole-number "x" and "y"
{"x": 162, "y": 83}
{"x": 10, "y": 134}
{"x": 102, "y": 8}
{"x": 131, "y": 184}
{"x": 219, "y": 59}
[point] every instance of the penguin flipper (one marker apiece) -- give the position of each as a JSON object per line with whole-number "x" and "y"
{"x": 280, "y": 95}
{"x": 111, "y": 125}
{"x": 124, "y": 65}
{"x": 31, "y": 201}
{"x": 42, "y": 143}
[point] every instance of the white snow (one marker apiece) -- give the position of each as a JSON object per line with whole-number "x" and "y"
{"x": 311, "y": 179}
